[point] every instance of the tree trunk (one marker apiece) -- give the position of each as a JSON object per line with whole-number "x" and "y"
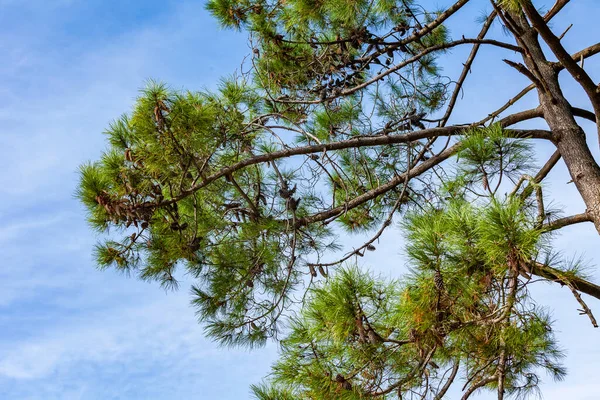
{"x": 568, "y": 136}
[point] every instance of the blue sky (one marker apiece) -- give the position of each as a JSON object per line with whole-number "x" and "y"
{"x": 68, "y": 331}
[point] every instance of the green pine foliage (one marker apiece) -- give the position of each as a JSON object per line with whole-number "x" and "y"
{"x": 244, "y": 189}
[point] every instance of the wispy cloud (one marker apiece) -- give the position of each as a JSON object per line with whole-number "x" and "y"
{"x": 71, "y": 331}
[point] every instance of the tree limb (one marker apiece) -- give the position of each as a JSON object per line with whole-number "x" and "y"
{"x": 566, "y": 221}
{"x": 578, "y": 73}
{"x": 401, "y": 65}
{"x": 356, "y": 142}
{"x": 556, "y": 8}
{"x": 555, "y": 275}
{"x": 584, "y": 308}
{"x": 478, "y": 385}
{"x": 448, "y": 383}
{"x": 467, "y": 68}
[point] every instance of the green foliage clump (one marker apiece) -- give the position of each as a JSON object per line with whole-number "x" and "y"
{"x": 337, "y": 126}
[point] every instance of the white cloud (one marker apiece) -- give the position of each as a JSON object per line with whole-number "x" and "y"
{"x": 158, "y": 339}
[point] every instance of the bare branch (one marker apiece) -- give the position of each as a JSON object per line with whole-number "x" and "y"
{"x": 580, "y": 112}
{"x": 578, "y": 73}
{"x": 373, "y": 193}
{"x": 584, "y": 308}
{"x": 556, "y": 8}
{"x": 539, "y": 177}
{"x": 448, "y": 383}
{"x": 566, "y": 221}
{"x": 467, "y": 68}
{"x": 523, "y": 70}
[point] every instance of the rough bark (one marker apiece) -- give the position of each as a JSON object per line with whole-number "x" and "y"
{"x": 568, "y": 136}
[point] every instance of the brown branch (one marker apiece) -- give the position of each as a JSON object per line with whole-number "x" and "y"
{"x": 523, "y": 70}
{"x": 246, "y": 197}
{"x": 566, "y": 221}
{"x": 501, "y": 370}
{"x": 467, "y": 68}
{"x": 448, "y": 383}
{"x": 385, "y": 224}
{"x": 580, "y": 112}
{"x": 562, "y": 35}
{"x": 356, "y": 142}
{"x": 416, "y": 171}
{"x": 578, "y": 73}
{"x": 521, "y": 116}
{"x": 409, "y": 376}
{"x": 506, "y": 105}
{"x": 555, "y": 275}
{"x": 581, "y": 54}
{"x": 539, "y": 177}
{"x": 555, "y": 9}
{"x": 373, "y": 193}
{"x": 478, "y": 385}
{"x": 545, "y": 170}
{"x": 403, "y": 64}
{"x": 435, "y": 23}
{"x": 584, "y": 308}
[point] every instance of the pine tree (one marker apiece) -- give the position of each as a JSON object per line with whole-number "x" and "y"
{"x": 342, "y": 123}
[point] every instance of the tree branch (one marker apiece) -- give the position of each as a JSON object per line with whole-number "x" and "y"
{"x": 555, "y": 275}
{"x": 566, "y": 221}
{"x": 401, "y": 65}
{"x": 356, "y": 142}
{"x": 539, "y": 177}
{"x": 521, "y": 116}
{"x": 563, "y": 56}
{"x": 556, "y": 8}
{"x": 580, "y": 112}
{"x": 523, "y": 70}
{"x": 467, "y": 68}
{"x": 584, "y": 307}
{"x": 373, "y": 193}
{"x": 478, "y": 385}
{"x": 448, "y": 383}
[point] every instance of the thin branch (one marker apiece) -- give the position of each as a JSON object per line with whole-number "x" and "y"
{"x": 478, "y": 385}
{"x": 585, "y": 53}
{"x": 385, "y": 224}
{"x": 448, "y": 383}
{"x": 523, "y": 70}
{"x": 373, "y": 193}
{"x": 584, "y": 308}
{"x": 539, "y": 177}
{"x": 401, "y": 65}
{"x": 245, "y": 196}
{"x": 467, "y": 68}
{"x": 506, "y": 105}
{"x": 562, "y": 35}
{"x": 435, "y": 23}
{"x": 556, "y": 8}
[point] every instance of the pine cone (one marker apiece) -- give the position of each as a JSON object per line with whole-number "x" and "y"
{"x": 412, "y": 335}
{"x": 438, "y": 280}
